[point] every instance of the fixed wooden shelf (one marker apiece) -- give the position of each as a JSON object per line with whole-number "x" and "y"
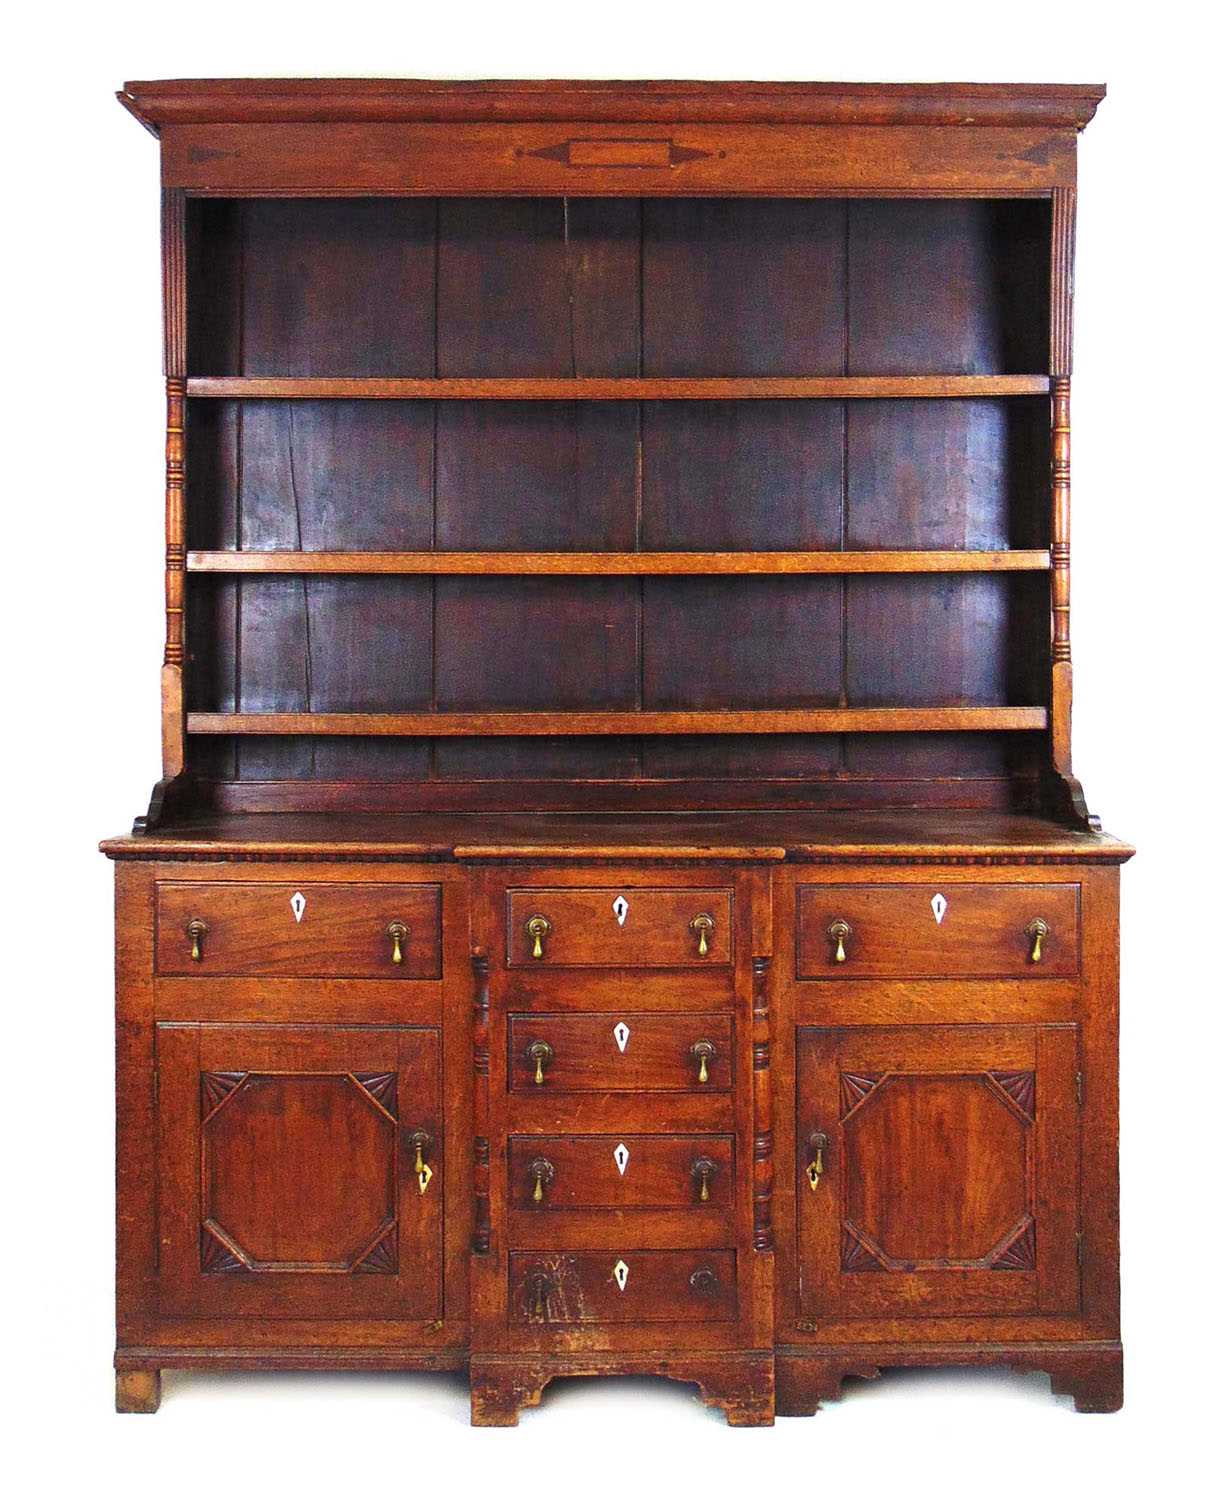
{"x": 649, "y": 388}
{"x": 630, "y": 564}
{"x": 629, "y": 721}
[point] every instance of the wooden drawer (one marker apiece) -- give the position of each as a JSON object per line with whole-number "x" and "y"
{"x": 936, "y": 931}
{"x": 620, "y": 1052}
{"x": 309, "y": 931}
{"x": 629, "y": 1286}
{"x": 619, "y": 927}
{"x": 547, "y": 1172}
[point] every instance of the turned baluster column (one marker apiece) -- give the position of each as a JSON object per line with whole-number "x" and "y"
{"x": 482, "y": 1104}
{"x": 1060, "y": 520}
{"x": 763, "y": 1165}
{"x": 172, "y": 719}
{"x": 1062, "y": 290}
{"x": 173, "y": 288}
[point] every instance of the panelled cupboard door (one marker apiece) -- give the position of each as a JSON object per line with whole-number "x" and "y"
{"x": 287, "y": 1171}
{"x": 938, "y": 1170}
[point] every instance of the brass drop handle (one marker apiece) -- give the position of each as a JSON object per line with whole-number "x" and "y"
{"x": 1038, "y": 930}
{"x": 542, "y": 1172}
{"x": 703, "y": 1170}
{"x": 540, "y": 1054}
{"x": 537, "y": 928}
{"x": 703, "y": 1052}
{"x": 540, "y": 1287}
{"x": 704, "y": 1281}
{"x": 420, "y": 1140}
{"x": 817, "y": 1145}
{"x": 196, "y": 931}
{"x": 838, "y": 932}
{"x": 396, "y": 932}
{"x": 704, "y": 925}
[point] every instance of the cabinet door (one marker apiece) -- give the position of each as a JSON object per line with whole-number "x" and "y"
{"x": 287, "y": 1174}
{"x": 949, "y": 1181}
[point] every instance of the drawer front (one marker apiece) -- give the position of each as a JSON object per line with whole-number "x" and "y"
{"x": 620, "y": 1053}
{"x": 547, "y": 1172}
{"x": 619, "y": 927}
{"x": 937, "y": 931}
{"x": 630, "y": 1286}
{"x": 310, "y": 931}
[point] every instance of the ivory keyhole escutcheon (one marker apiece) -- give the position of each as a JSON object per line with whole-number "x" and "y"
{"x": 939, "y": 905}
{"x": 297, "y": 904}
{"x": 621, "y": 1272}
{"x": 620, "y": 908}
{"x": 621, "y": 1157}
{"x": 622, "y": 1035}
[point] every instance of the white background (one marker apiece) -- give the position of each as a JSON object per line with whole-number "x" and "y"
{"x": 81, "y": 629}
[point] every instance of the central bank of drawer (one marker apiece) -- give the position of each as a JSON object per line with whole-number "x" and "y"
{"x": 620, "y": 1052}
{"x": 619, "y": 927}
{"x": 952, "y": 930}
{"x": 623, "y": 1286}
{"x": 308, "y": 931}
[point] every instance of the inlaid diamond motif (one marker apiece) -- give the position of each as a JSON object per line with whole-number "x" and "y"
{"x": 298, "y": 906}
{"x": 622, "y": 1035}
{"x": 620, "y": 909}
{"x": 621, "y": 1272}
{"x": 621, "y": 1157}
{"x": 938, "y": 907}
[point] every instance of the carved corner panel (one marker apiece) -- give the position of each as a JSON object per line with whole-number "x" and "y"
{"x": 299, "y": 1172}
{"x": 940, "y": 1171}
{"x": 288, "y": 1173}
{"x": 948, "y": 1181}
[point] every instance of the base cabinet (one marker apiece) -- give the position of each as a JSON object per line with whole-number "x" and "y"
{"x": 370, "y": 1126}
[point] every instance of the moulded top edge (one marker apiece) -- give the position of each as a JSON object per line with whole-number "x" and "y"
{"x": 198, "y": 101}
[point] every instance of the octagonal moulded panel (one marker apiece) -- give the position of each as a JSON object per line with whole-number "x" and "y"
{"x": 938, "y": 1169}
{"x": 299, "y": 1171}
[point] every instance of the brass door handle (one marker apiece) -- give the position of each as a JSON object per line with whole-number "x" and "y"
{"x": 703, "y": 1170}
{"x": 704, "y": 925}
{"x": 539, "y": 1288}
{"x": 838, "y": 932}
{"x": 537, "y": 927}
{"x": 196, "y": 931}
{"x": 703, "y": 1052}
{"x": 1038, "y": 930}
{"x": 542, "y": 1172}
{"x": 540, "y": 1054}
{"x": 818, "y": 1142}
{"x": 420, "y": 1140}
{"x": 396, "y": 932}
{"x": 704, "y": 1281}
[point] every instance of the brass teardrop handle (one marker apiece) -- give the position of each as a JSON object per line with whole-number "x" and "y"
{"x": 196, "y": 931}
{"x": 703, "y": 1052}
{"x": 537, "y": 928}
{"x": 1038, "y": 930}
{"x": 818, "y": 1143}
{"x": 396, "y": 932}
{"x": 420, "y": 1140}
{"x": 704, "y": 925}
{"x": 540, "y": 1055}
{"x": 704, "y": 1281}
{"x": 539, "y": 1288}
{"x": 703, "y": 1170}
{"x": 838, "y": 932}
{"x": 542, "y": 1172}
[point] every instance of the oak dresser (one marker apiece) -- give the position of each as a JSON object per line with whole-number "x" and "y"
{"x": 618, "y": 899}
